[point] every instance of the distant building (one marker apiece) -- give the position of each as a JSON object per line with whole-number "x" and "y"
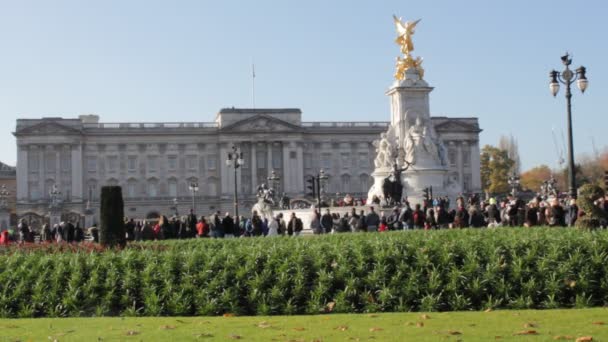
{"x": 8, "y": 182}
{"x": 155, "y": 162}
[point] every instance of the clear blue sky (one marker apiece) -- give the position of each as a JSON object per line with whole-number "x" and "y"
{"x": 184, "y": 60}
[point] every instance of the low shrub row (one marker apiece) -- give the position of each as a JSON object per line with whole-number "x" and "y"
{"x": 402, "y": 271}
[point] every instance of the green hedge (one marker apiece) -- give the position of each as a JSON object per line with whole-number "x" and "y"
{"x": 427, "y": 271}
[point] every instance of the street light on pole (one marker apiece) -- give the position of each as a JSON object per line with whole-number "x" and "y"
{"x": 567, "y": 77}
{"x": 235, "y": 160}
{"x": 514, "y": 183}
{"x": 175, "y": 206}
{"x": 194, "y": 189}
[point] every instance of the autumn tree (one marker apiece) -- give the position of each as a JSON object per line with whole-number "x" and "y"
{"x": 495, "y": 166}
{"x": 533, "y": 178}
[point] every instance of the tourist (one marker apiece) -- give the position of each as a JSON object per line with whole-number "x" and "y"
{"x": 532, "y": 214}
{"x": 327, "y": 222}
{"x": 295, "y": 225}
{"x": 24, "y": 231}
{"x": 441, "y": 216}
{"x": 78, "y": 233}
{"x": 492, "y": 214}
{"x": 202, "y": 228}
{"x": 572, "y": 213}
{"x": 273, "y": 226}
{"x": 46, "y": 233}
{"x": 393, "y": 221}
{"x": 372, "y": 220}
{"x": 461, "y": 217}
{"x": 362, "y": 222}
{"x": 353, "y": 221}
{"x": 406, "y": 216}
{"x": 256, "y": 224}
{"x": 558, "y": 214}
{"x": 315, "y": 223}
{"x": 147, "y": 231}
{"x": 130, "y": 229}
{"x": 265, "y": 226}
{"x": 383, "y": 226}
{"x": 137, "y": 231}
{"x": 418, "y": 217}
{"x": 228, "y": 225}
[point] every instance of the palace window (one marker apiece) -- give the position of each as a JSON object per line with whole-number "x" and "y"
{"x": 152, "y": 163}
{"x": 260, "y": 160}
{"x": 192, "y": 161}
{"x": 466, "y": 157}
{"x": 92, "y": 164}
{"x": 173, "y": 187}
{"x": 49, "y": 162}
{"x": 363, "y": 159}
{"x": 345, "y": 183}
{"x": 345, "y": 159}
{"x": 452, "y": 156}
{"x": 211, "y": 162}
{"x": 307, "y": 161}
{"x": 112, "y": 163}
{"x": 326, "y": 161}
{"x": 132, "y": 188}
{"x": 132, "y": 163}
{"x": 172, "y": 162}
{"x": 33, "y": 161}
{"x": 66, "y": 161}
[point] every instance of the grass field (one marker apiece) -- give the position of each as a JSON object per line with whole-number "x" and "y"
{"x": 524, "y": 325}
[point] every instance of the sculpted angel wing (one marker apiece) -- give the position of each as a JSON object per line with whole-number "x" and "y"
{"x": 399, "y": 25}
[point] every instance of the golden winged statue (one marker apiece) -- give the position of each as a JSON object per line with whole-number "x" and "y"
{"x": 405, "y": 30}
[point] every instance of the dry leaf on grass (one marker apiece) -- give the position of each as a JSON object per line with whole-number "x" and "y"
{"x": 341, "y": 328}
{"x": 419, "y": 324}
{"x": 330, "y": 306}
{"x": 488, "y": 310}
{"x": 375, "y": 329}
{"x": 526, "y": 332}
{"x": 168, "y": 327}
{"x": 454, "y": 332}
{"x": 228, "y": 315}
{"x": 598, "y": 323}
{"x": 372, "y": 315}
{"x": 299, "y": 329}
{"x": 132, "y": 333}
{"x": 264, "y": 325}
{"x": 584, "y": 339}
{"x": 563, "y": 337}
{"x": 497, "y": 337}
{"x": 236, "y": 337}
{"x": 425, "y": 316}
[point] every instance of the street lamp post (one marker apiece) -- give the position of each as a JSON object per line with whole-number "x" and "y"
{"x": 175, "y": 206}
{"x": 321, "y": 179}
{"x": 514, "y": 183}
{"x": 567, "y": 77}
{"x": 193, "y": 189}
{"x": 274, "y": 180}
{"x": 235, "y": 160}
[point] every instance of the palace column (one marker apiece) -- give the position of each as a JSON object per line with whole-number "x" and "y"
{"x": 22, "y": 173}
{"x": 77, "y": 178}
{"x": 460, "y": 165}
{"x": 269, "y": 158}
{"x": 224, "y": 176}
{"x": 475, "y": 167}
{"x": 299, "y": 182}
{"x": 287, "y": 182}
{"x": 254, "y": 168}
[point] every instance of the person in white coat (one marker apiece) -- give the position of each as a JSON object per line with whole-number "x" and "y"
{"x": 273, "y": 226}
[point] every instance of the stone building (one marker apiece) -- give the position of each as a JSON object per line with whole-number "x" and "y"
{"x": 155, "y": 162}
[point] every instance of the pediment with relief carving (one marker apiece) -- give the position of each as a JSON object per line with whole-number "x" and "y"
{"x": 48, "y": 128}
{"x": 262, "y": 123}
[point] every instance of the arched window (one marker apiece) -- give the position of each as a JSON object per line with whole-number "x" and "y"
{"x": 211, "y": 187}
{"x": 172, "y": 187}
{"x": 152, "y": 187}
{"x": 364, "y": 182}
{"x": 345, "y": 183}
{"x": 131, "y": 188}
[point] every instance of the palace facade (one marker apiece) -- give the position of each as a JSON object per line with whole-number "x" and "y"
{"x": 155, "y": 163}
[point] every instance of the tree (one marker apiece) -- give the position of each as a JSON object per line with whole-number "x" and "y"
{"x": 510, "y": 145}
{"x": 112, "y": 225}
{"x": 495, "y": 167}
{"x": 533, "y": 178}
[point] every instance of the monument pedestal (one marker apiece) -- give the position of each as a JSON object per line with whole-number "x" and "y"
{"x": 54, "y": 216}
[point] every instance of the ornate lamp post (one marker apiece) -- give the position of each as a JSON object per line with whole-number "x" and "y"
{"x": 567, "y": 77}
{"x": 514, "y": 183}
{"x": 235, "y": 160}
{"x": 322, "y": 180}
{"x": 274, "y": 179}
{"x": 54, "y": 195}
{"x": 193, "y": 189}
{"x": 175, "y": 206}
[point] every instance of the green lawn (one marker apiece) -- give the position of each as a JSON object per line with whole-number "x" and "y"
{"x": 547, "y": 325}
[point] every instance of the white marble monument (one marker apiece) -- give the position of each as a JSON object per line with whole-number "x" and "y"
{"x": 411, "y": 144}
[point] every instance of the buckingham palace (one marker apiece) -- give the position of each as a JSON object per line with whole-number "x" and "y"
{"x": 155, "y": 163}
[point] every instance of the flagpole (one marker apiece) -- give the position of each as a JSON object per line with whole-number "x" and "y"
{"x": 253, "y": 83}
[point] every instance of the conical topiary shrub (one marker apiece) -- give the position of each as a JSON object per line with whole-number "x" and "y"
{"x": 112, "y": 226}
{"x": 587, "y": 195}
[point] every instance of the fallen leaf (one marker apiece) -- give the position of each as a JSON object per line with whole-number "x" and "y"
{"x": 598, "y": 323}
{"x": 264, "y": 325}
{"x": 299, "y": 329}
{"x": 420, "y": 324}
{"x": 425, "y": 316}
{"x": 372, "y": 315}
{"x": 132, "y": 333}
{"x": 330, "y": 306}
{"x": 168, "y": 327}
{"x": 488, "y": 310}
{"x": 530, "y": 325}
{"x": 228, "y": 315}
{"x": 566, "y": 337}
{"x": 375, "y": 329}
{"x": 454, "y": 332}
{"x": 526, "y": 332}
{"x": 409, "y": 323}
{"x": 236, "y": 337}
{"x": 341, "y": 328}
{"x": 497, "y": 337}
{"x": 584, "y": 339}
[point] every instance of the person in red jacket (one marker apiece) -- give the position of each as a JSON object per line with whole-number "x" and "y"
{"x": 202, "y": 228}
{"x": 4, "y": 237}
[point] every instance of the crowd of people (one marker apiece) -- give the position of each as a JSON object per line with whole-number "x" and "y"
{"x": 432, "y": 214}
